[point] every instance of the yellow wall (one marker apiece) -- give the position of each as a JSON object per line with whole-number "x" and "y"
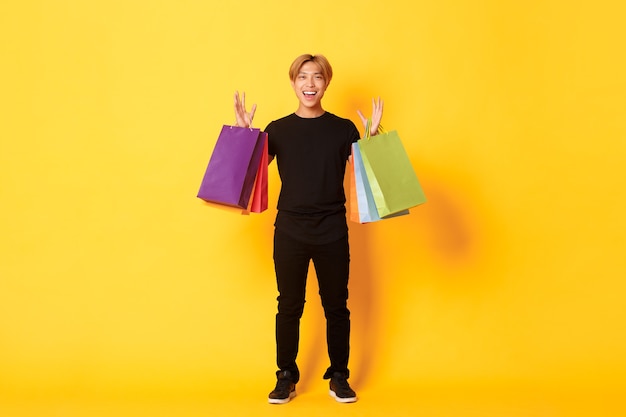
{"x": 114, "y": 277}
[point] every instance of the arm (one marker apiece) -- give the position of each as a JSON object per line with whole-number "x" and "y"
{"x": 243, "y": 117}
{"x": 377, "y": 115}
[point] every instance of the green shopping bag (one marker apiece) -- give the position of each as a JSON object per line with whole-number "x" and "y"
{"x": 394, "y": 185}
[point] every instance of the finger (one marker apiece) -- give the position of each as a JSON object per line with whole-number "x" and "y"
{"x": 236, "y": 106}
{"x": 363, "y": 119}
{"x": 378, "y": 111}
{"x": 237, "y": 102}
{"x": 252, "y": 111}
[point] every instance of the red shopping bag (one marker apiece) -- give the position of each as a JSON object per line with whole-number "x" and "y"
{"x": 258, "y": 202}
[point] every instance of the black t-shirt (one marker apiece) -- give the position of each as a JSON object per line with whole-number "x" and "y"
{"x": 311, "y": 154}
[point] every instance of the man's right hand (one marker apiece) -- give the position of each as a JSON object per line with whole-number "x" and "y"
{"x": 243, "y": 117}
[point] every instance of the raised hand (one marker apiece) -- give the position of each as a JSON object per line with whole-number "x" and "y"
{"x": 377, "y": 115}
{"x": 243, "y": 117}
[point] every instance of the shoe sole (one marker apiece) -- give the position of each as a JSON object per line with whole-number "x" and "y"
{"x": 292, "y": 394}
{"x": 342, "y": 400}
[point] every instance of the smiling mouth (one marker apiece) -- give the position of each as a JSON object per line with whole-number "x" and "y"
{"x": 309, "y": 93}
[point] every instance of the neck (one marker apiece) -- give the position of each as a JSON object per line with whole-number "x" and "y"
{"x": 310, "y": 113}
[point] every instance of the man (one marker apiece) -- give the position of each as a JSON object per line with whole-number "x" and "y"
{"x": 311, "y": 147}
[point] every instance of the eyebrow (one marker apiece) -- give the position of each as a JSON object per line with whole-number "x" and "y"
{"x": 308, "y": 72}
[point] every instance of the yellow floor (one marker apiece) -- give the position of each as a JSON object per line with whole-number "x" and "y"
{"x": 314, "y": 401}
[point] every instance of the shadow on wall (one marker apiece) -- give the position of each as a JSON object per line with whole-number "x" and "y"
{"x": 446, "y": 236}
{"x": 364, "y": 305}
{"x": 452, "y": 236}
{"x": 454, "y": 226}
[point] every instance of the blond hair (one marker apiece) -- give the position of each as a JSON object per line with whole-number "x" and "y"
{"x": 327, "y": 70}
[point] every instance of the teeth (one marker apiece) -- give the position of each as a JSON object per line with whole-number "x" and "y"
{"x": 309, "y": 93}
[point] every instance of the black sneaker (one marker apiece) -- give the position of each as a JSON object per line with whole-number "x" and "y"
{"x": 285, "y": 389}
{"x": 340, "y": 389}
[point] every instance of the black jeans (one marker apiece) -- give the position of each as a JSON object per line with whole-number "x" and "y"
{"x": 332, "y": 265}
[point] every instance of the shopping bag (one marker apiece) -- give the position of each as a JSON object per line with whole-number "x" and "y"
{"x": 366, "y": 205}
{"x": 367, "y": 210}
{"x": 353, "y": 203}
{"x": 258, "y": 202}
{"x": 391, "y": 177}
{"x": 233, "y": 166}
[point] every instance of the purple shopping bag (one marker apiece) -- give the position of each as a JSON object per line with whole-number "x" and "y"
{"x": 230, "y": 175}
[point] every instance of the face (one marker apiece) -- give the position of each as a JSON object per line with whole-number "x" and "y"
{"x": 309, "y": 85}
